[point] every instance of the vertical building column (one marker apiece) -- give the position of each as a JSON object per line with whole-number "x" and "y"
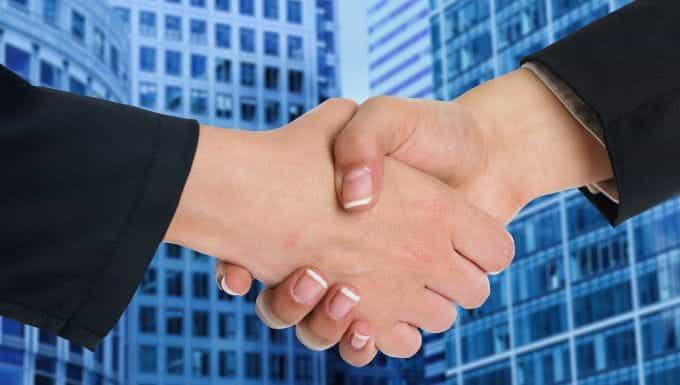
{"x": 63, "y": 82}
{"x": 567, "y": 287}
{"x": 636, "y": 302}
{"x": 2, "y": 45}
{"x": 34, "y": 71}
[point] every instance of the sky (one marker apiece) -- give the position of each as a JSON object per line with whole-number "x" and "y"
{"x": 353, "y": 49}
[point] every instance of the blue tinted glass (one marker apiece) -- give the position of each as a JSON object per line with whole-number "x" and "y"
{"x": 199, "y": 67}
{"x": 294, "y": 11}
{"x": 223, "y": 35}
{"x": 271, "y": 43}
{"x": 12, "y": 327}
{"x": 173, "y": 63}
{"x": 18, "y": 61}
{"x": 271, "y": 9}
{"x": 247, "y": 7}
{"x": 247, "y": 38}
{"x": 223, "y": 5}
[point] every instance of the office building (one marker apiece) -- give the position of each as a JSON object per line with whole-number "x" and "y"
{"x": 399, "y": 51}
{"x": 248, "y": 64}
{"x": 77, "y": 47}
{"x": 582, "y": 303}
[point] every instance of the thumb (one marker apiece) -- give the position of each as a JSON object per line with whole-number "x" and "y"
{"x": 380, "y": 126}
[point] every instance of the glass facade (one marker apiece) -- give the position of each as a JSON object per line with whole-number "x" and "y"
{"x": 582, "y": 303}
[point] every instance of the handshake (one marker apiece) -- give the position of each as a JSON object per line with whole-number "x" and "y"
{"x": 370, "y": 222}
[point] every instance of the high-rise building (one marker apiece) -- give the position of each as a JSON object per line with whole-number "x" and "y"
{"x": 399, "y": 51}
{"x": 78, "y": 47}
{"x": 582, "y": 303}
{"x": 249, "y": 64}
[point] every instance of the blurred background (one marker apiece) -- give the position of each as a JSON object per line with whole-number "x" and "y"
{"x": 581, "y": 304}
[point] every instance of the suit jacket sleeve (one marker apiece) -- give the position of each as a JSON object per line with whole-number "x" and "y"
{"x": 625, "y": 67}
{"x": 88, "y": 190}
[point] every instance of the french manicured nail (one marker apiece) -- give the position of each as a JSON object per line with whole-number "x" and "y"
{"x": 357, "y": 188}
{"x": 359, "y": 340}
{"x": 222, "y": 284}
{"x": 309, "y": 287}
{"x": 342, "y": 303}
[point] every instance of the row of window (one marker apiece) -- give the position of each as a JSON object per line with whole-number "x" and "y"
{"x": 223, "y": 104}
{"x": 227, "y": 364}
{"x": 270, "y": 8}
{"x": 223, "y": 35}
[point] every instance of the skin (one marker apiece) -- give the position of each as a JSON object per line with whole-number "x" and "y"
{"x": 501, "y": 145}
{"x": 266, "y": 202}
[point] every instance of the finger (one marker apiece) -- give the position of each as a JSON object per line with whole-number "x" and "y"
{"x": 233, "y": 279}
{"x": 402, "y": 341}
{"x": 461, "y": 282}
{"x": 432, "y": 313}
{"x": 379, "y": 127}
{"x": 289, "y": 302}
{"x": 326, "y": 324}
{"x": 357, "y": 346}
{"x": 480, "y": 238}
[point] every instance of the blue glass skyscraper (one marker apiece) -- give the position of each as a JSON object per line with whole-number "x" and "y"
{"x": 582, "y": 303}
{"x": 78, "y": 47}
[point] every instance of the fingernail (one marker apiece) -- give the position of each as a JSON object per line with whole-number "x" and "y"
{"x": 343, "y": 303}
{"x": 222, "y": 284}
{"x": 359, "y": 341}
{"x": 309, "y": 287}
{"x": 357, "y": 188}
{"x": 494, "y": 272}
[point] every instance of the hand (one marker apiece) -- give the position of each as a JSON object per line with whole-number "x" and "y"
{"x": 269, "y": 196}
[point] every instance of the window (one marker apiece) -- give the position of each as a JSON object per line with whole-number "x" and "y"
{"x": 223, "y": 70}
{"x": 272, "y": 112}
{"x": 174, "y": 321}
{"x": 77, "y": 87}
{"x": 150, "y": 282}
{"x": 226, "y": 327}
{"x": 12, "y": 327}
{"x": 114, "y": 60}
{"x": 199, "y": 67}
{"x": 47, "y": 338}
{"x": 303, "y": 369}
{"x": 173, "y": 251}
{"x": 199, "y": 102}
{"x": 253, "y": 327}
{"x": 247, "y": 39}
{"x": 200, "y": 285}
{"x": 200, "y": 324}
{"x": 50, "y": 75}
{"x": 223, "y": 5}
{"x": 271, "y": 43}
{"x": 123, "y": 14}
{"x": 295, "y": 81}
{"x": 173, "y": 283}
{"x": 18, "y": 61}
{"x": 147, "y": 95}
{"x": 223, "y": 35}
{"x": 294, "y": 11}
{"x": 147, "y": 359}
{"x": 78, "y": 25}
{"x": 199, "y": 32}
{"x": 271, "y": 78}
{"x": 174, "y": 360}
{"x": 50, "y": 11}
{"x": 74, "y": 374}
{"x": 99, "y": 43}
{"x": 224, "y": 106}
{"x": 277, "y": 367}
{"x": 147, "y": 24}
{"x": 246, "y": 7}
{"x": 173, "y": 98}
{"x": 278, "y": 336}
{"x": 147, "y": 59}
{"x": 253, "y": 365}
{"x": 173, "y": 28}
{"x": 271, "y": 9}
{"x": 295, "y": 48}
{"x": 295, "y": 111}
{"x": 147, "y": 319}
{"x": 248, "y": 74}
{"x": 200, "y": 363}
{"x": 198, "y": 3}
{"x": 173, "y": 63}
{"x": 248, "y": 109}
{"x": 227, "y": 364}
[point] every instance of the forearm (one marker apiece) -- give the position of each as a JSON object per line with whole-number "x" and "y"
{"x": 533, "y": 140}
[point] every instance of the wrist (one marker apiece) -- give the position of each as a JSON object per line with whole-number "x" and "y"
{"x": 532, "y": 139}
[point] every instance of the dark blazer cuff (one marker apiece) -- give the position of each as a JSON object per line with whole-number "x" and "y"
{"x": 175, "y": 142}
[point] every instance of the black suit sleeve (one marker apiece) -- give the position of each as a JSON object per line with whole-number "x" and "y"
{"x": 88, "y": 189}
{"x": 626, "y": 67}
